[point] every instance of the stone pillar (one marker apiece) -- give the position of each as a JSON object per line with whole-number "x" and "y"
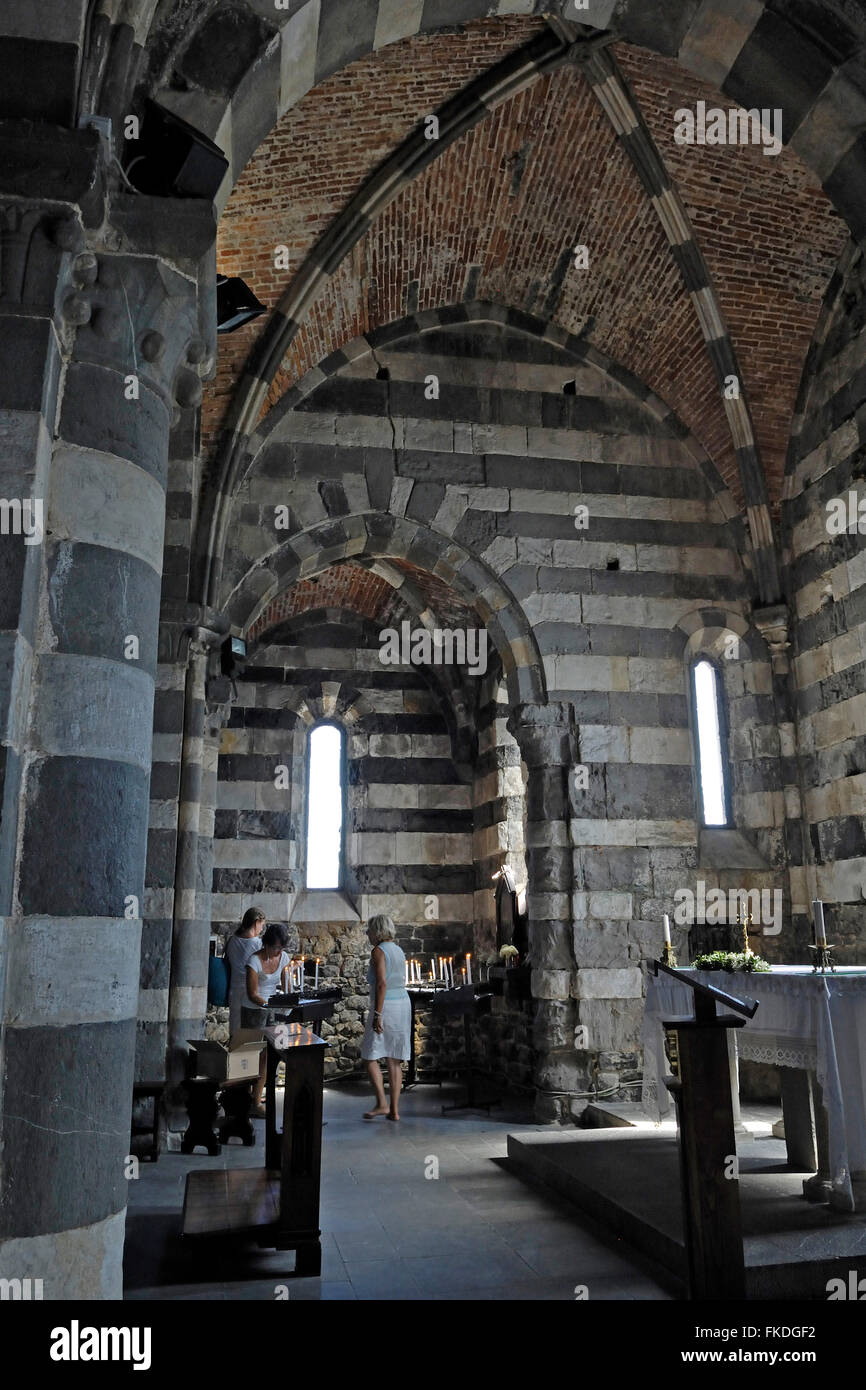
{"x": 547, "y": 735}
{"x": 125, "y": 322}
{"x": 774, "y": 625}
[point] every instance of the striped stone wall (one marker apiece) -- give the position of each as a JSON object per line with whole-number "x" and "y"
{"x": 408, "y": 816}
{"x": 522, "y": 433}
{"x": 827, "y": 582}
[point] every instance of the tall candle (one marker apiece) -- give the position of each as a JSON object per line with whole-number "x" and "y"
{"x": 468, "y": 968}
{"x": 818, "y": 916}
{"x": 667, "y": 929}
{"x": 316, "y": 982}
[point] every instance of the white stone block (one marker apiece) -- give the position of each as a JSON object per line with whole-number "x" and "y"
{"x": 625, "y": 983}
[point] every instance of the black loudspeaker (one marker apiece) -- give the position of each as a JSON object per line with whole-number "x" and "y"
{"x": 233, "y": 656}
{"x": 171, "y": 159}
{"x": 236, "y": 303}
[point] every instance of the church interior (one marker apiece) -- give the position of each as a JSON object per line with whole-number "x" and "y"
{"x": 433, "y": 499}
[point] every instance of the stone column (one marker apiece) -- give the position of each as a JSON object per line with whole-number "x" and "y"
{"x": 774, "y": 625}
{"x": 547, "y": 735}
{"x": 125, "y": 322}
{"x": 204, "y": 719}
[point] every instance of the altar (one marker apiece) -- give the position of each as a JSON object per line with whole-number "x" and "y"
{"x": 813, "y": 1027}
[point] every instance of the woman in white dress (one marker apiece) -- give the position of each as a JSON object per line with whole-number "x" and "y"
{"x": 266, "y": 974}
{"x": 389, "y": 1020}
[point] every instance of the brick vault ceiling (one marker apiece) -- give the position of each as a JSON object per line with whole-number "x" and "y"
{"x": 496, "y": 215}
{"x": 353, "y": 588}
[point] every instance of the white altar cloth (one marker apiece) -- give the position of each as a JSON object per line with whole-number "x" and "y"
{"x": 805, "y": 1020}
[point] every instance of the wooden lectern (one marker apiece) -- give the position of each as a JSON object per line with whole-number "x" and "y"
{"x": 697, "y": 1050}
{"x": 276, "y": 1206}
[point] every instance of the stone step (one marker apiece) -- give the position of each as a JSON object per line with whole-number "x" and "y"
{"x": 792, "y": 1247}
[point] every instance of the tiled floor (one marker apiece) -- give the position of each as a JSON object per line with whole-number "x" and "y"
{"x": 388, "y": 1230}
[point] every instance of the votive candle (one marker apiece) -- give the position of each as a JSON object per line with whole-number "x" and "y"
{"x": 818, "y": 916}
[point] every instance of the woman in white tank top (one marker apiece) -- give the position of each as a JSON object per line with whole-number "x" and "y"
{"x": 389, "y": 1020}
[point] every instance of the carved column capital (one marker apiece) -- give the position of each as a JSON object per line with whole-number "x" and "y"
{"x": 547, "y": 734}
{"x": 774, "y": 625}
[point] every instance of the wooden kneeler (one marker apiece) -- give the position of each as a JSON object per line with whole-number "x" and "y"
{"x": 277, "y": 1206}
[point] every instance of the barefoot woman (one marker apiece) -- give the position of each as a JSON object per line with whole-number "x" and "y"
{"x": 390, "y": 1017}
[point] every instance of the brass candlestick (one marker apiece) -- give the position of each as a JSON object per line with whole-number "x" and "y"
{"x": 822, "y": 959}
{"x": 667, "y": 956}
{"x": 746, "y": 923}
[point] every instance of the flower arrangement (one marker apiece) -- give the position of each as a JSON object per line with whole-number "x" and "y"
{"x": 508, "y": 953}
{"x": 731, "y": 961}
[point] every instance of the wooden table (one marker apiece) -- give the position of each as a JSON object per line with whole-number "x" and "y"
{"x": 813, "y": 1028}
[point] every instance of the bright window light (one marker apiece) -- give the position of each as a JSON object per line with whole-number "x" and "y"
{"x": 709, "y": 743}
{"x": 324, "y": 807}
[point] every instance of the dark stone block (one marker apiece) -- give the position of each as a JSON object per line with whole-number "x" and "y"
{"x": 28, "y": 364}
{"x": 46, "y": 1068}
{"x": 250, "y": 767}
{"x": 168, "y": 711}
{"x": 476, "y": 531}
{"x": 649, "y": 792}
{"x": 779, "y": 66}
{"x": 415, "y": 878}
{"x": 439, "y": 467}
{"x": 224, "y": 48}
{"x": 673, "y": 712}
{"x": 155, "y": 953}
{"x": 349, "y": 396}
{"x": 600, "y": 477}
{"x": 164, "y": 781}
{"x": 843, "y": 838}
{"x": 161, "y": 858}
{"x": 254, "y": 108}
{"x": 340, "y": 43}
{"x": 271, "y": 825}
{"x": 40, "y": 81}
{"x": 96, "y": 856}
{"x": 425, "y": 501}
{"x": 379, "y": 471}
{"x": 97, "y": 415}
{"x": 13, "y": 558}
{"x": 333, "y": 495}
{"x": 425, "y": 770}
{"x": 551, "y": 475}
{"x": 128, "y": 591}
{"x": 422, "y": 822}
{"x": 557, "y": 638}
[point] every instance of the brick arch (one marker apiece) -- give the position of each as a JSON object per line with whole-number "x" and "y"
{"x": 379, "y": 537}
{"x": 755, "y": 54}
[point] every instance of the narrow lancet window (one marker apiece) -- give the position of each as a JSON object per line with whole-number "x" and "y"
{"x": 708, "y": 721}
{"x": 325, "y": 807}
